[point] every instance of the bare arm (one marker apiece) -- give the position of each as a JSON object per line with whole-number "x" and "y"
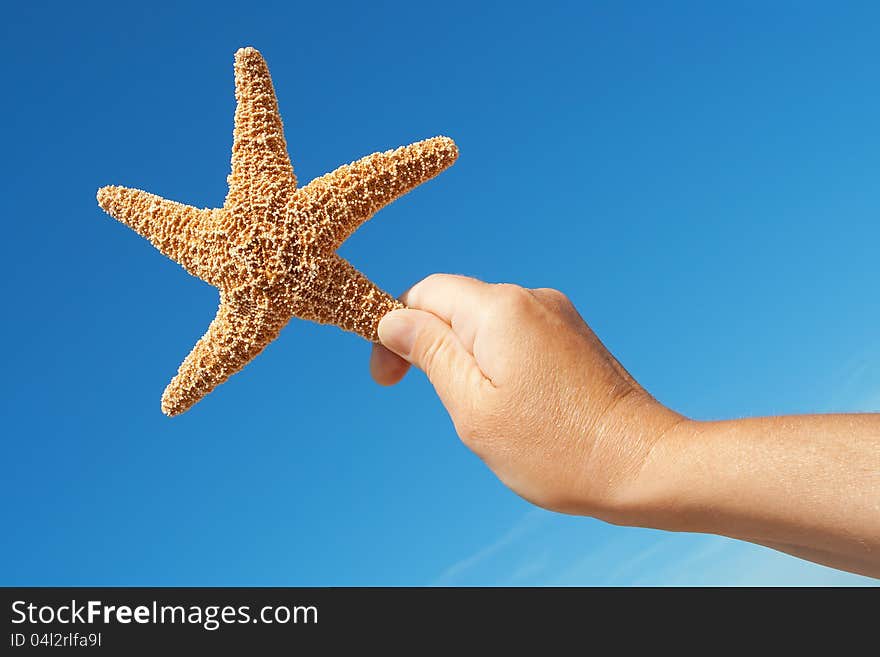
{"x": 535, "y": 394}
{"x": 807, "y": 485}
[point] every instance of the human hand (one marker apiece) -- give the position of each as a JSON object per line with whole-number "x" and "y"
{"x": 530, "y": 389}
{"x": 535, "y": 394}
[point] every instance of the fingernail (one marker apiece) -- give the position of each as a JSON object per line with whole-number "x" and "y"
{"x": 397, "y": 331}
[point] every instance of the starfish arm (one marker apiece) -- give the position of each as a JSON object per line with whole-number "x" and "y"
{"x": 261, "y": 171}
{"x": 246, "y": 322}
{"x": 181, "y": 232}
{"x": 347, "y": 299}
{"x": 342, "y": 200}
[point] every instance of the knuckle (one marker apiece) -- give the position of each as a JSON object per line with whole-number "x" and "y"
{"x": 553, "y": 295}
{"x": 512, "y": 299}
{"x": 411, "y": 296}
{"x": 426, "y": 288}
{"x": 432, "y": 279}
{"x": 508, "y": 288}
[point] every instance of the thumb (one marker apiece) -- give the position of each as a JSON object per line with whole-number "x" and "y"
{"x": 429, "y": 343}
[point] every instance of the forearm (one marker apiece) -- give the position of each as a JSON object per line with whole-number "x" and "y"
{"x": 807, "y": 485}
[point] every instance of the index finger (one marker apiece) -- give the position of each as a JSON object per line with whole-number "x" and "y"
{"x": 457, "y": 300}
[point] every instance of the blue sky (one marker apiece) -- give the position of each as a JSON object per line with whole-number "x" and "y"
{"x": 700, "y": 178}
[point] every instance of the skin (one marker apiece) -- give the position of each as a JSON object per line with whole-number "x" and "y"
{"x": 536, "y": 395}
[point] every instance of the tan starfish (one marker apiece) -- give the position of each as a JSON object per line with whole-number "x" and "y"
{"x": 271, "y": 248}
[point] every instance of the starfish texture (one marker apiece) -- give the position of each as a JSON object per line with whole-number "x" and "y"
{"x": 271, "y": 248}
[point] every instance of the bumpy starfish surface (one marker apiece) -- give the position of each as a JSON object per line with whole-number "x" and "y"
{"x": 271, "y": 248}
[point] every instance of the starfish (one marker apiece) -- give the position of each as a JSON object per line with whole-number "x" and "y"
{"x": 271, "y": 248}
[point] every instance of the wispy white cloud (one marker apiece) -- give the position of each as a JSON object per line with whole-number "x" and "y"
{"x": 629, "y": 568}
{"x": 530, "y": 569}
{"x": 734, "y": 563}
{"x": 526, "y": 524}
{"x": 576, "y": 552}
{"x": 605, "y": 560}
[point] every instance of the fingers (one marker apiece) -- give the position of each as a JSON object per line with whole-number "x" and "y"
{"x": 429, "y": 343}
{"x": 457, "y": 300}
{"x": 445, "y": 295}
{"x": 386, "y": 367}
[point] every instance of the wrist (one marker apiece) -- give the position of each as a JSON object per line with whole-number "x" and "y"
{"x": 652, "y": 495}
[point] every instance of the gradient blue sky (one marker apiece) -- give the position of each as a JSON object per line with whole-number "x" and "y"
{"x": 700, "y": 178}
